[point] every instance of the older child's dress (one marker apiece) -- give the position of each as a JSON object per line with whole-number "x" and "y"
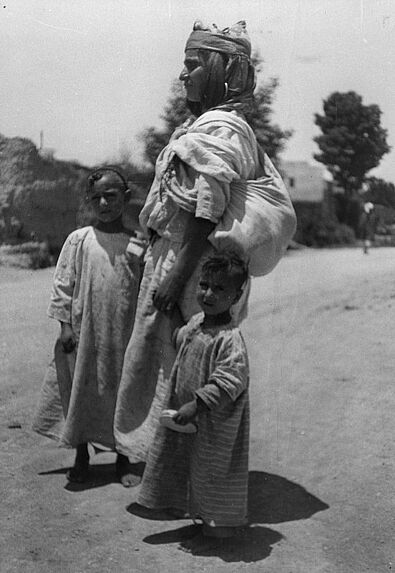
{"x": 95, "y": 289}
{"x": 205, "y": 474}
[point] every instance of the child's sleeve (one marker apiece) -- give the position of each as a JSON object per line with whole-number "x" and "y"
{"x": 181, "y": 332}
{"x": 230, "y": 374}
{"x": 179, "y": 336}
{"x": 63, "y": 282}
{"x": 135, "y": 253}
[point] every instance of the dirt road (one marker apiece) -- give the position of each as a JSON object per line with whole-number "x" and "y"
{"x": 321, "y": 341}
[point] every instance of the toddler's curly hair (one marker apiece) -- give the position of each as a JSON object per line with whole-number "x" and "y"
{"x": 230, "y": 264}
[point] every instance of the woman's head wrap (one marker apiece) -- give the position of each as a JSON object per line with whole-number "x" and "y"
{"x": 230, "y": 41}
{"x": 234, "y": 44}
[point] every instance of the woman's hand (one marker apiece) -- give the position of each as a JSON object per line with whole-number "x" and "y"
{"x": 169, "y": 291}
{"x": 194, "y": 245}
{"x": 186, "y": 413}
{"x": 67, "y": 338}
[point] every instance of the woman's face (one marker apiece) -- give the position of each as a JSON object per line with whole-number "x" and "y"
{"x": 194, "y": 76}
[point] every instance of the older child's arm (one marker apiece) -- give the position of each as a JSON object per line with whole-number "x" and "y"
{"x": 60, "y": 307}
{"x": 64, "y": 281}
{"x": 67, "y": 337}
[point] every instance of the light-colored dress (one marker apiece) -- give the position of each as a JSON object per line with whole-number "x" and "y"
{"x": 95, "y": 289}
{"x": 205, "y": 474}
{"x": 194, "y": 174}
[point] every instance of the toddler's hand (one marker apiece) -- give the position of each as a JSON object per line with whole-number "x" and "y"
{"x": 67, "y": 338}
{"x": 186, "y": 413}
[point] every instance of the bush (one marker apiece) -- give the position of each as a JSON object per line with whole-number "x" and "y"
{"x": 31, "y": 255}
{"x": 321, "y": 232}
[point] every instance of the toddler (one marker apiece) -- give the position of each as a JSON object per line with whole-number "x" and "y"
{"x": 205, "y": 474}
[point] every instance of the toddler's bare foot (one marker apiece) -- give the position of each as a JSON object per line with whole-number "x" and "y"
{"x": 80, "y": 471}
{"x": 124, "y": 472}
{"x": 177, "y": 513}
{"x": 218, "y": 532}
{"x": 201, "y": 544}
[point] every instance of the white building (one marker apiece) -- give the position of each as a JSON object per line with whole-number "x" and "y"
{"x": 306, "y": 182}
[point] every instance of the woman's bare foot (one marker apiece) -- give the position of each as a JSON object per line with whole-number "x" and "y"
{"x": 124, "y": 473}
{"x": 80, "y": 471}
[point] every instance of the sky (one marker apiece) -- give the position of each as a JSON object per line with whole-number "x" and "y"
{"x": 93, "y": 74}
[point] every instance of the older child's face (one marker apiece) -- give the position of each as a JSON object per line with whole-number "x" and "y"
{"x": 107, "y": 198}
{"x": 216, "y": 293}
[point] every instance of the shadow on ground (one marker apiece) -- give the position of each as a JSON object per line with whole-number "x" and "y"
{"x": 99, "y": 475}
{"x": 252, "y": 544}
{"x": 271, "y": 499}
{"x": 274, "y": 499}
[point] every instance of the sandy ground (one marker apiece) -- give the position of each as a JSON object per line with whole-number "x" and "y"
{"x": 321, "y": 340}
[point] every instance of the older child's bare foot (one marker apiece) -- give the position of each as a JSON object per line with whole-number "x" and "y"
{"x": 124, "y": 472}
{"x": 80, "y": 471}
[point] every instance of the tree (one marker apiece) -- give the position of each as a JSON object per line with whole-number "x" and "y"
{"x": 269, "y": 135}
{"x": 352, "y": 140}
{"x": 174, "y": 114}
{"x": 379, "y": 192}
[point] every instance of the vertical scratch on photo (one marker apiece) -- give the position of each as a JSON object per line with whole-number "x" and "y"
{"x": 361, "y": 21}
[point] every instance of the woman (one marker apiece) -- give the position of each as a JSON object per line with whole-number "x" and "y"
{"x": 191, "y": 190}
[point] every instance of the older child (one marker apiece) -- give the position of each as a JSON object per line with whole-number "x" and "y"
{"x": 205, "y": 474}
{"x": 94, "y": 298}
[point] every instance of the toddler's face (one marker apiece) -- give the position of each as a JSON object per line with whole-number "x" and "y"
{"x": 107, "y": 198}
{"x": 216, "y": 293}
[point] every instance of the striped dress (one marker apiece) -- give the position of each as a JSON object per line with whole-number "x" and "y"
{"x": 204, "y": 474}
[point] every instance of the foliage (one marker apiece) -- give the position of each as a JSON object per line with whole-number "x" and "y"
{"x": 352, "y": 140}
{"x": 321, "y": 231}
{"x": 269, "y": 135}
{"x": 347, "y": 210}
{"x": 175, "y": 112}
{"x": 379, "y": 192}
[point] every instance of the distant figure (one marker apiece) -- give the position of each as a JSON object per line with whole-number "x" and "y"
{"x": 94, "y": 297}
{"x": 205, "y": 474}
{"x": 367, "y": 226}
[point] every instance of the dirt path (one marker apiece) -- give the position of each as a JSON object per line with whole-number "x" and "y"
{"x": 322, "y": 493}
